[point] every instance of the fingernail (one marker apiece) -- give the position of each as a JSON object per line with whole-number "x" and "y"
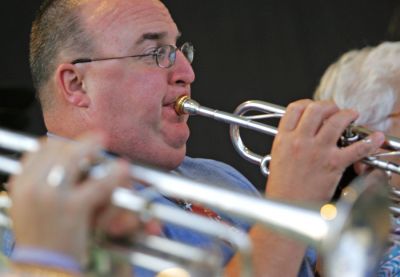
{"x": 380, "y": 138}
{"x": 102, "y": 170}
{"x": 367, "y": 140}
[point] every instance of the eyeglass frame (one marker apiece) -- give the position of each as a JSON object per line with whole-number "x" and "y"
{"x": 155, "y": 53}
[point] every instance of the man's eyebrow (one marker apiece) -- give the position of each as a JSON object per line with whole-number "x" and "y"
{"x": 154, "y": 36}
{"x": 151, "y": 36}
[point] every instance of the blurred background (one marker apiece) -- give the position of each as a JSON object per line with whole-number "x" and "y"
{"x": 271, "y": 50}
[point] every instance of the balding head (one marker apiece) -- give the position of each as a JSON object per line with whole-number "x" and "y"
{"x": 61, "y": 31}
{"x": 56, "y": 31}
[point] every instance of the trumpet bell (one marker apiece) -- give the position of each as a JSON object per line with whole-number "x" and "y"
{"x": 365, "y": 233}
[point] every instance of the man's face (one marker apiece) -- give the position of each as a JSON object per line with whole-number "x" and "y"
{"x": 393, "y": 130}
{"x": 132, "y": 99}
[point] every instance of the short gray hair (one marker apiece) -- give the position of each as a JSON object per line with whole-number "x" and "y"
{"x": 57, "y": 27}
{"x": 365, "y": 80}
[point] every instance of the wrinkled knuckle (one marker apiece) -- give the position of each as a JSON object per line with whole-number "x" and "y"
{"x": 296, "y": 144}
{"x": 334, "y": 164}
{"x": 293, "y": 108}
{"x": 329, "y": 104}
{"x": 48, "y": 196}
{"x": 350, "y": 112}
{"x": 315, "y": 108}
{"x": 298, "y": 106}
{"x": 104, "y": 185}
{"x": 362, "y": 150}
{"x": 333, "y": 123}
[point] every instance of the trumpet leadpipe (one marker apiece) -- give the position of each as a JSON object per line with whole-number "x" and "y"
{"x": 185, "y": 105}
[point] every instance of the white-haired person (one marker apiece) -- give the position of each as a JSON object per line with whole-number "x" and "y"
{"x": 368, "y": 81}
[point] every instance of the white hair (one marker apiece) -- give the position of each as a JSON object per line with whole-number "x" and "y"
{"x": 365, "y": 80}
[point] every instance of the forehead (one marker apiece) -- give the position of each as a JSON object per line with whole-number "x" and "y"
{"x": 117, "y": 20}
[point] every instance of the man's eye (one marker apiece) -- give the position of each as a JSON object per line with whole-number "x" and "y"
{"x": 151, "y": 51}
{"x": 149, "y": 55}
{"x": 152, "y": 54}
{"x": 162, "y": 53}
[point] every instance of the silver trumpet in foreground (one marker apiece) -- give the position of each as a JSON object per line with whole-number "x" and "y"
{"x": 350, "y": 234}
{"x": 151, "y": 252}
{"x": 185, "y": 105}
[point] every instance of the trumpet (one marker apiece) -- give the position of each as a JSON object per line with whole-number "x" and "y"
{"x": 358, "y": 223}
{"x": 185, "y": 105}
{"x": 197, "y": 262}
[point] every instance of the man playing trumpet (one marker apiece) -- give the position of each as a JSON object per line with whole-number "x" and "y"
{"x": 114, "y": 66}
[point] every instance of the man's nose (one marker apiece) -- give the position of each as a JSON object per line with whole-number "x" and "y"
{"x": 181, "y": 72}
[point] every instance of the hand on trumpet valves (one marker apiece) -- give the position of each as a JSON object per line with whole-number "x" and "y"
{"x": 59, "y": 203}
{"x": 306, "y": 160}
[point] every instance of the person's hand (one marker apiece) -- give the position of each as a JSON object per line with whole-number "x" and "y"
{"x": 55, "y": 203}
{"x": 306, "y": 161}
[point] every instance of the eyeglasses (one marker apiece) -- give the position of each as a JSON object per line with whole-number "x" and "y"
{"x": 165, "y": 55}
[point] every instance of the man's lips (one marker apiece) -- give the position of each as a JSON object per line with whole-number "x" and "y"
{"x": 172, "y": 101}
{"x": 171, "y": 104}
{"x": 169, "y": 109}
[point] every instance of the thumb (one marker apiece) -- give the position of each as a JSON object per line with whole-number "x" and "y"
{"x": 362, "y": 148}
{"x": 96, "y": 191}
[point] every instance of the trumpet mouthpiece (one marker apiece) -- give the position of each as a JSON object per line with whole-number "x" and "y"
{"x": 179, "y": 104}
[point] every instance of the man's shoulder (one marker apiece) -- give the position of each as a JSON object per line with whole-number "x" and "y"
{"x": 215, "y": 173}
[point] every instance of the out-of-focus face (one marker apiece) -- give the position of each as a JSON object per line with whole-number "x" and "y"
{"x": 132, "y": 99}
{"x": 394, "y": 130}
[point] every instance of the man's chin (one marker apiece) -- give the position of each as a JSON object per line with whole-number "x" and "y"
{"x": 177, "y": 137}
{"x": 173, "y": 159}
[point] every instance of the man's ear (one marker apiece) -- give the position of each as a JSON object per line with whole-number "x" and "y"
{"x": 70, "y": 84}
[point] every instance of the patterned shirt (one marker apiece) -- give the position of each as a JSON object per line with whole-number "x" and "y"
{"x": 389, "y": 266}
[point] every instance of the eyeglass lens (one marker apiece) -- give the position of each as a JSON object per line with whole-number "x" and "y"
{"x": 166, "y": 55}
